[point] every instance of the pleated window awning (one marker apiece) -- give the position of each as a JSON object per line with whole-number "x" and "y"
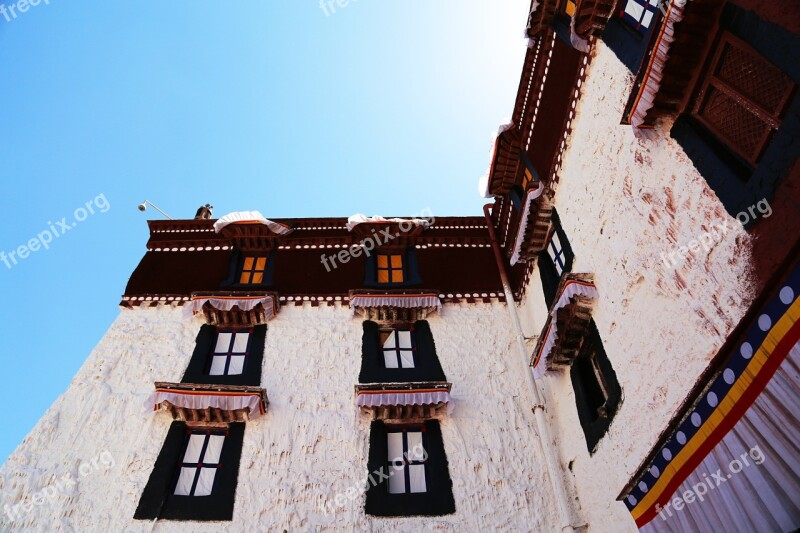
{"x": 208, "y": 403}
{"x": 427, "y": 301}
{"x": 227, "y": 302}
{"x": 401, "y": 400}
{"x": 568, "y": 318}
{"x": 251, "y": 217}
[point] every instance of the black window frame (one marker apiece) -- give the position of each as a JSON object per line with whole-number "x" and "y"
{"x": 590, "y": 370}
{"x": 548, "y": 271}
{"x": 427, "y": 366}
{"x": 199, "y": 364}
{"x": 436, "y": 501}
{"x": 395, "y": 330}
{"x": 158, "y": 500}
{"x": 405, "y": 458}
{"x": 411, "y": 276}
{"x": 236, "y": 266}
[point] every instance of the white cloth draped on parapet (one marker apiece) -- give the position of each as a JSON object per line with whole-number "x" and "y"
{"x": 532, "y": 195}
{"x": 251, "y": 217}
{"x": 651, "y": 82}
{"x": 358, "y": 218}
{"x": 204, "y": 399}
{"x": 404, "y": 301}
{"x": 571, "y": 288}
{"x": 226, "y": 303}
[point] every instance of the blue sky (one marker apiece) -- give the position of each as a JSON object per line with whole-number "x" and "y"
{"x": 381, "y": 108}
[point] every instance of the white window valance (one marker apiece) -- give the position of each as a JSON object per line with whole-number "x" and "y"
{"x": 226, "y": 303}
{"x": 404, "y": 301}
{"x": 253, "y": 401}
{"x": 251, "y": 217}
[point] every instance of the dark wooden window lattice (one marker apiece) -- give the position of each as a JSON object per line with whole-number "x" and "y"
{"x": 742, "y": 98}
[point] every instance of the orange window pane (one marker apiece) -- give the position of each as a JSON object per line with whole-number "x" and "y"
{"x": 397, "y": 276}
{"x": 245, "y": 277}
{"x": 261, "y": 263}
{"x": 383, "y": 261}
{"x": 248, "y": 263}
{"x": 258, "y": 277}
{"x": 383, "y": 276}
{"x": 397, "y": 261}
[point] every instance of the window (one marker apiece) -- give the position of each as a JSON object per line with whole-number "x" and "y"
{"x": 200, "y": 463}
{"x": 568, "y": 7}
{"x": 742, "y": 99}
{"x": 556, "y": 252}
{"x": 398, "y": 348}
{"x": 195, "y": 475}
{"x": 390, "y": 268}
{"x": 640, "y": 13}
{"x": 406, "y": 459}
{"x": 597, "y": 392}
{"x": 554, "y": 260}
{"x": 418, "y": 473}
{"x": 399, "y": 353}
{"x": 227, "y": 356}
{"x": 253, "y": 269}
{"x": 230, "y": 353}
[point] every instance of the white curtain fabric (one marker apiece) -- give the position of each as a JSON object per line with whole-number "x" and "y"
{"x": 226, "y": 304}
{"x": 402, "y": 398}
{"x": 250, "y": 217}
{"x": 578, "y": 43}
{"x": 195, "y": 400}
{"x": 426, "y": 301}
{"x": 655, "y": 68}
{"x": 760, "y": 497}
{"x": 359, "y": 218}
{"x": 571, "y": 289}
{"x": 532, "y": 195}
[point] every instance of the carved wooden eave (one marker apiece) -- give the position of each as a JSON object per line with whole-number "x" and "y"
{"x": 505, "y": 166}
{"x": 394, "y": 305}
{"x": 248, "y": 308}
{"x": 251, "y": 237}
{"x": 409, "y": 400}
{"x": 571, "y": 316}
{"x": 169, "y": 397}
{"x": 678, "y": 70}
{"x": 591, "y": 16}
{"x": 537, "y": 229}
{"x": 541, "y": 18}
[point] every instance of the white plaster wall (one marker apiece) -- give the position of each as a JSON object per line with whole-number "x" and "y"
{"x": 309, "y": 447}
{"x": 622, "y": 202}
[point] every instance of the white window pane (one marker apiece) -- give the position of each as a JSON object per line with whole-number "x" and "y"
{"x": 185, "y": 480}
{"x": 416, "y": 478}
{"x": 214, "y": 449}
{"x": 416, "y": 452}
{"x": 205, "y": 482}
{"x": 194, "y": 448}
{"x": 395, "y": 441}
{"x": 389, "y": 343}
{"x": 390, "y": 358}
{"x": 240, "y": 342}
{"x": 556, "y": 243}
{"x": 223, "y": 343}
{"x": 218, "y": 365}
{"x": 407, "y": 359}
{"x": 648, "y": 18}
{"x": 405, "y": 339}
{"x": 397, "y": 480}
{"x": 237, "y": 364}
{"x": 634, "y": 9}
{"x": 654, "y": 3}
